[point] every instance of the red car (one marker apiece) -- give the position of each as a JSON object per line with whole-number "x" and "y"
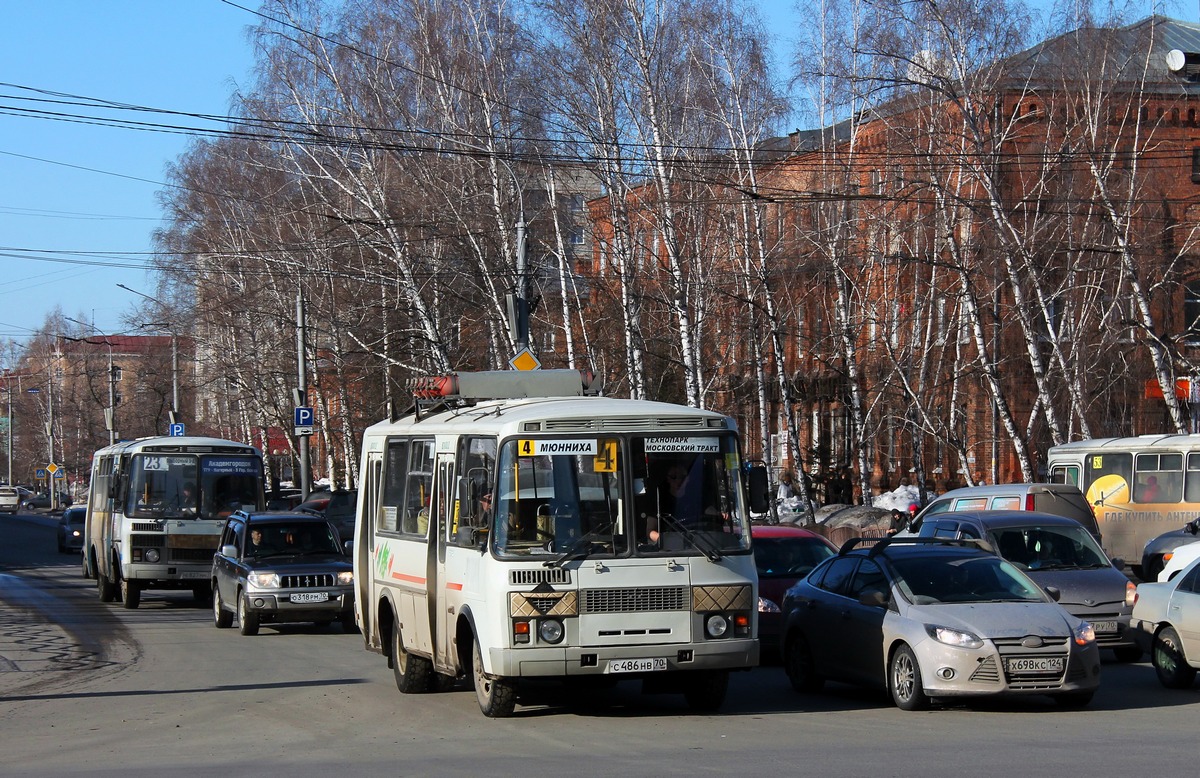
{"x": 783, "y": 555}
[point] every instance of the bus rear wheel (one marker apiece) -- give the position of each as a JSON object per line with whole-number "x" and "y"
{"x": 497, "y": 696}
{"x": 105, "y": 587}
{"x": 412, "y": 672}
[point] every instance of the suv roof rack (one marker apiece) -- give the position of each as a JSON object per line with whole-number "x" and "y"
{"x": 880, "y": 544}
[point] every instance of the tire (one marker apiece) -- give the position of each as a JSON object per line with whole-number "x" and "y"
{"x": 904, "y": 680}
{"x": 412, "y": 672}
{"x": 1127, "y": 654}
{"x": 800, "y": 668}
{"x": 247, "y": 621}
{"x": 105, "y": 587}
{"x": 222, "y": 618}
{"x": 1170, "y": 664}
{"x": 497, "y": 696}
{"x": 1074, "y": 701}
{"x": 202, "y": 595}
{"x": 131, "y": 594}
{"x": 706, "y": 691}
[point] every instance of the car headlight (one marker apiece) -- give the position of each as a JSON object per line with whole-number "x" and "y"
{"x": 346, "y": 577}
{"x": 953, "y": 637}
{"x": 1083, "y": 634}
{"x": 768, "y": 606}
{"x": 75, "y": 533}
{"x": 1130, "y": 593}
{"x": 264, "y": 580}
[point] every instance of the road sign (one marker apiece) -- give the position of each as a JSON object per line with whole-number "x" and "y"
{"x": 60, "y": 475}
{"x": 304, "y": 417}
{"x": 40, "y": 474}
{"x": 524, "y": 360}
{"x": 304, "y": 431}
{"x": 176, "y": 430}
{"x": 52, "y": 468}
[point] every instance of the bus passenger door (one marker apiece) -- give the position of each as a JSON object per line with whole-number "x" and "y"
{"x": 367, "y": 509}
{"x": 441, "y": 597}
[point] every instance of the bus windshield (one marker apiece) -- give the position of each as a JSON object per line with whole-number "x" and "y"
{"x": 191, "y": 486}
{"x": 678, "y": 495}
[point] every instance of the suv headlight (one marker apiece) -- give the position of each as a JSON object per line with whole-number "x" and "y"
{"x": 768, "y": 606}
{"x": 264, "y": 580}
{"x": 953, "y": 637}
{"x": 346, "y": 577}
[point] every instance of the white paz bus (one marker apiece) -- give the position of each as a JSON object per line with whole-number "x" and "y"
{"x": 156, "y": 508}
{"x": 514, "y": 525}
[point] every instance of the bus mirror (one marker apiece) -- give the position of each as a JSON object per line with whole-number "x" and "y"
{"x": 758, "y": 482}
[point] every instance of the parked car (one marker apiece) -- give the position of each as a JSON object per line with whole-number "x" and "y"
{"x": 1177, "y": 559}
{"x": 336, "y": 507}
{"x": 284, "y": 500}
{"x": 783, "y": 555}
{"x": 10, "y": 499}
{"x": 1060, "y": 553}
{"x": 42, "y": 501}
{"x": 1058, "y": 499}
{"x": 1164, "y": 619}
{"x": 1159, "y": 550}
{"x": 928, "y": 618}
{"x": 70, "y": 529}
{"x": 278, "y": 567}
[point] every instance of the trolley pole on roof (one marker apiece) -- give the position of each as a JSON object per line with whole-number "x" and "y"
{"x": 301, "y": 396}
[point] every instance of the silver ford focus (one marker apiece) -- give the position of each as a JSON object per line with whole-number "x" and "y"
{"x": 929, "y": 618}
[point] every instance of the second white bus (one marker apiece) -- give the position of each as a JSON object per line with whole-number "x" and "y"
{"x": 156, "y": 508}
{"x": 512, "y": 526}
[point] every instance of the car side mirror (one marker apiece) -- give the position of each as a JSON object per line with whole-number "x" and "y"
{"x": 348, "y": 547}
{"x": 1193, "y": 527}
{"x": 758, "y": 481}
{"x": 874, "y": 599}
{"x": 1054, "y": 592}
{"x": 1118, "y": 563}
{"x": 229, "y": 551}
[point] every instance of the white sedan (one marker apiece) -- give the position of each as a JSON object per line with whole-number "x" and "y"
{"x": 1166, "y": 618}
{"x": 1176, "y": 560}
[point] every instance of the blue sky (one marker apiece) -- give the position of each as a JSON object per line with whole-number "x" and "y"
{"x": 70, "y": 187}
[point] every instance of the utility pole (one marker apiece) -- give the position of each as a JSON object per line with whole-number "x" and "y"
{"x": 301, "y": 396}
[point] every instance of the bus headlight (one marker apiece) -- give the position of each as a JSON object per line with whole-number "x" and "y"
{"x": 263, "y": 580}
{"x": 716, "y": 625}
{"x": 152, "y": 555}
{"x": 550, "y": 630}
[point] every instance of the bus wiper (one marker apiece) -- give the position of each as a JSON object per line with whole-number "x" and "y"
{"x": 692, "y": 538}
{"x": 580, "y": 549}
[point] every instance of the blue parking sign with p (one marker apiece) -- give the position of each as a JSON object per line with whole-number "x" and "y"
{"x": 304, "y": 416}
{"x": 176, "y": 430}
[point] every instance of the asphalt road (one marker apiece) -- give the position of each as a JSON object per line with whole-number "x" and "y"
{"x": 92, "y": 689}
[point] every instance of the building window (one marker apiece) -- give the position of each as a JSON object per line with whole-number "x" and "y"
{"x": 1196, "y": 165}
{"x": 1191, "y": 311}
{"x": 576, "y": 236}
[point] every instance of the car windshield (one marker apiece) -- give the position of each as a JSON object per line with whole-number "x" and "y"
{"x": 791, "y": 557}
{"x": 1049, "y": 547}
{"x": 926, "y": 580}
{"x": 300, "y": 537}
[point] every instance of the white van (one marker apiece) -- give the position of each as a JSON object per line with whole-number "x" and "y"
{"x": 10, "y": 499}
{"x": 1058, "y": 499}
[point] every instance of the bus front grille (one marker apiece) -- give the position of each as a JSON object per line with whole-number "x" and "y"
{"x": 633, "y": 600}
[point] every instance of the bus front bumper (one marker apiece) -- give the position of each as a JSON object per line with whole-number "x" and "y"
{"x": 624, "y": 661}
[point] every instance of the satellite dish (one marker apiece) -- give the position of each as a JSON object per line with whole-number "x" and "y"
{"x": 1176, "y": 61}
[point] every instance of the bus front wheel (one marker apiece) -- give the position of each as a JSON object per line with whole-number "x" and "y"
{"x": 497, "y": 696}
{"x": 131, "y": 593}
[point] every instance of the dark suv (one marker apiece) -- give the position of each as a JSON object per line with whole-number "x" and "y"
{"x": 277, "y": 567}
